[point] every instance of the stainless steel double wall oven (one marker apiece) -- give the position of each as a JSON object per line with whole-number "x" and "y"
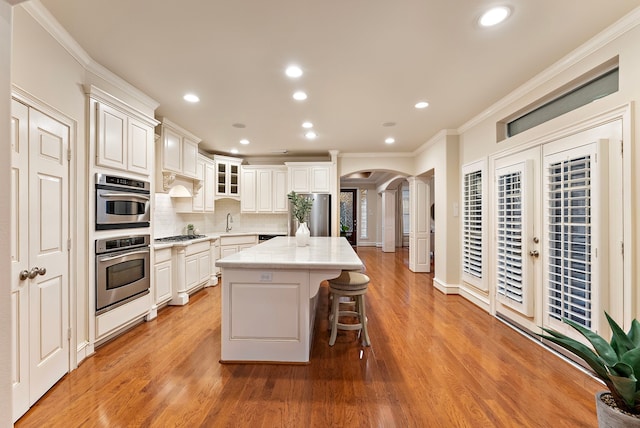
{"x": 122, "y": 262}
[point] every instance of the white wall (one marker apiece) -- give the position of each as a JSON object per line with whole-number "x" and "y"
{"x": 441, "y": 157}
{"x": 46, "y": 71}
{"x": 478, "y": 137}
{"x": 6, "y": 407}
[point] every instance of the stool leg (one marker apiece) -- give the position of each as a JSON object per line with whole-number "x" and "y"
{"x": 363, "y": 320}
{"x": 335, "y": 314}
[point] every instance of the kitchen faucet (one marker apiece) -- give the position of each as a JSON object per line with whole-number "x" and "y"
{"x": 229, "y": 220}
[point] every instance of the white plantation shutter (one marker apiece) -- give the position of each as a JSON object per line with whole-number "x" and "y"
{"x": 513, "y": 283}
{"x": 472, "y": 226}
{"x": 571, "y": 178}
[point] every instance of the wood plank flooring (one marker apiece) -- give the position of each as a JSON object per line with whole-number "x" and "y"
{"x": 435, "y": 361}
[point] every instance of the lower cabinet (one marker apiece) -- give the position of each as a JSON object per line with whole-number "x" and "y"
{"x": 163, "y": 276}
{"x": 193, "y": 267}
{"x": 197, "y": 269}
{"x": 233, "y": 244}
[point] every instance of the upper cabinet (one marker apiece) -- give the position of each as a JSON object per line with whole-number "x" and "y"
{"x": 264, "y": 189}
{"x": 309, "y": 177}
{"x": 176, "y": 154}
{"x": 123, "y": 136}
{"x": 203, "y": 198}
{"x": 227, "y": 176}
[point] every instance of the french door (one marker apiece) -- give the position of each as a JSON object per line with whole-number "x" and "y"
{"x": 517, "y": 229}
{"x": 39, "y": 255}
{"x": 557, "y": 223}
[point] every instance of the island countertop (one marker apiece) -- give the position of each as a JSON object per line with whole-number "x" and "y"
{"x": 283, "y": 253}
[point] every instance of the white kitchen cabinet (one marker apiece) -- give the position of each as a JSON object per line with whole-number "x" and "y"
{"x": 176, "y": 154}
{"x": 163, "y": 276}
{"x": 231, "y": 244}
{"x": 264, "y": 189}
{"x": 124, "y": 140}
{"x": 203, "y": 199}
{"x": 248, "y": 198}
{"x": 310, "y": 178}
{"x": 209, "y": 185}
{"x": 280, "y": 201}
{"x": 227, "y": 176}
{"x": 215, "y": 248}
{"x": 193, "y": 266}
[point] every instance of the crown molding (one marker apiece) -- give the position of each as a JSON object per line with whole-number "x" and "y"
{"x": 376, "y": 155}
{"x": 49, "y": 23}
{"x": 616, "y": 30}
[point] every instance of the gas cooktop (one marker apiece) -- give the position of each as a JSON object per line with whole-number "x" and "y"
{"x": 178, "y": 238}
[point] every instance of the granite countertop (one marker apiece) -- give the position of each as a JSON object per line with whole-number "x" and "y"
{"x": 283, "y": 253}
{"x": 207, "y": 237}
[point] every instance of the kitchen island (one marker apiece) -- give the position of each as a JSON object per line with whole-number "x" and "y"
{"x": 270, "y": 294}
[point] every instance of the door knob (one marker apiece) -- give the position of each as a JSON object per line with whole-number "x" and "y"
{"x": 36, "y": 271}
{"x": 534, "y": 253}
{"x": 24, "y": 275}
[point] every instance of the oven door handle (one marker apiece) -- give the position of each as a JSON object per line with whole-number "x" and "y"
{"x": 119, "y": 256}
{"x": 124, "y": 195}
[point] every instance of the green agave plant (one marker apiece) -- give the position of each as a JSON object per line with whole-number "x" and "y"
{"x": 616, "y": 363}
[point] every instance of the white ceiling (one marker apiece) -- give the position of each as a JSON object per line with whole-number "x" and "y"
{"x": 366, "y": 62}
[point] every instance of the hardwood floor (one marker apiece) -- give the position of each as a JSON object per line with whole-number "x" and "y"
{"x": 435, "y": 361}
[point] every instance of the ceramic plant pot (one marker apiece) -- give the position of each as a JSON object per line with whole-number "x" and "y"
{"x": 612, "y": 417}
{"x": 302, "y": 235}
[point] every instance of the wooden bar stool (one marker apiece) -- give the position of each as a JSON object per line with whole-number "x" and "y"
{"x": 353, "y": 285}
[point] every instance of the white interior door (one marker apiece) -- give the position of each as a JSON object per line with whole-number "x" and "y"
{"x": 39, "y": 246}
{"x": 420, "y": 229}
{"x": 19, "y": 257}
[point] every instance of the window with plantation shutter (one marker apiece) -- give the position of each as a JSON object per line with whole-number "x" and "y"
{"x": 364, "y": 211}
{"x": 514, "y": 286}
{"x": 569, "y": 205}
{"x": 472, "y": 219}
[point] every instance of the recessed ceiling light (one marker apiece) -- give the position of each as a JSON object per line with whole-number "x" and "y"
{"x": 300, "y": 96}
{"x": 307, "y": 125}
{"x": 234, "y": 151}
{"x": 422, "y": 104}
{"x": 311, "y": 135}
{"x": 494, "y": 16}
{"x": 293, "y": 71}
{"x": 390, "y": 140}
{"x": 244, "y": 141}
{"x": 192, "y": 98}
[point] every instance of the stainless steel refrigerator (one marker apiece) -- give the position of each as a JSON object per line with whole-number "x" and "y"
{"x": 319, "y": 221}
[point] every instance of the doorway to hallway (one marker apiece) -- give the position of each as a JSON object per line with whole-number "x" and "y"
{"x": 349, "y": 215}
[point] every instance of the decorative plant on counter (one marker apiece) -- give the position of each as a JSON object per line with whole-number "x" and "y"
{"x": 301, "y": 206}
{"x": 616, "y": 363}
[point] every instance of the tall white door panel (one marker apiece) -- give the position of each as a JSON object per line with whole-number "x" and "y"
{"x": 20, "y": 256}
{"x": 40, "y": 268}
{"x": 517, "y": 241}
{"x": 420, "y": 230}
{"x": 582, "y": 218}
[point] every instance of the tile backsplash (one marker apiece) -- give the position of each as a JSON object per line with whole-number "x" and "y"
{"x": 167, "y": 222}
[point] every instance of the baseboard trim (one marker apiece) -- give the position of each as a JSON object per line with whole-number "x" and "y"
{"x": 83, "y": 351}
{"x": 445, "y": 288}
{"x": 478, "y": 299}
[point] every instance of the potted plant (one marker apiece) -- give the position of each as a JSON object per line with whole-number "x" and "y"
{"x": 300, "y": 208}
{"x": 616, "y": 363}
